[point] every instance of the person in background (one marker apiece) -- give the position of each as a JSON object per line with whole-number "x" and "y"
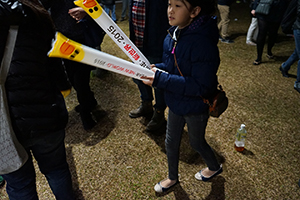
{"x": 37, "y": 108}
{"x": 125, "y": 6}
{"x": 224, "y": 10}
{"x": 268, "y": 25}
{"x": 285, "y": 67}
{"x": 144, "y": 16}
{"x": 252, "y": 30}
{"x": 191, "y": 60}
{"x": 71, "y": 20}
{"x": 110, "y": 5}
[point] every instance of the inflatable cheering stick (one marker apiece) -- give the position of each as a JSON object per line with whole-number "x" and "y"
{"x": 65, "y": 48}
{"x": 113, "y": 31}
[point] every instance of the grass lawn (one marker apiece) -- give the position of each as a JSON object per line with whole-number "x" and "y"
{"x": 119, "y": 160}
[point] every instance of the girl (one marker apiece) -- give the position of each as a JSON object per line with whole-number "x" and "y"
{"x": 191, "y": 58}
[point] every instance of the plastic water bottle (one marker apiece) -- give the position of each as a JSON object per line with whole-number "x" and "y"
{"x": 240, "y": 137}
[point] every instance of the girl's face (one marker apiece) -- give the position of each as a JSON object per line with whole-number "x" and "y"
{"x": 180, "y": 13}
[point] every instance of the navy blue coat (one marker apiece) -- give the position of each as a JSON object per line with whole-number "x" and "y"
{"x": 198, "y": 59}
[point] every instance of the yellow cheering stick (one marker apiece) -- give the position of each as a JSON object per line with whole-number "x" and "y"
{"x": 113, "y": 31}
{"x": 91, "y": 7}
{"x": 65, "y": 48}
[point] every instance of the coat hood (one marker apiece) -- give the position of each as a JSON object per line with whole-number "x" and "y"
{"x": 204, "y": 25}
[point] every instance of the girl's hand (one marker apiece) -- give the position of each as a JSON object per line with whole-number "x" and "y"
{"x": 77, "y": 13}
{"x": 253, "y": 12}
{"x": 149, "y": 79}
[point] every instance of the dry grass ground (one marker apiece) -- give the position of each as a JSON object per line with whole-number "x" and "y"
{"x": 119, "y": 160}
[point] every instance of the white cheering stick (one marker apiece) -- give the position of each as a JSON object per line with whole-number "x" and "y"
{"x": 65, "y": 48}
{"x": 117, "y": 35}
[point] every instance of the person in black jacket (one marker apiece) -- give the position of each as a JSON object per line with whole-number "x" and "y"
{"x": 69, "y": 20}
{"x": 36, "y": 105}
{"x": 285, "y": 67}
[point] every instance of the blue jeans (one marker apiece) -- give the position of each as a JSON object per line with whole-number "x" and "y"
{"x": 49, "y": 152}
{"x": 294, "y": 57}
{"x": 111, "y": 8}
{"x": 196, "y": 130}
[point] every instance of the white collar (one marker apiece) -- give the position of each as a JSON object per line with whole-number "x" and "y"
{"x": 174, "y": 34}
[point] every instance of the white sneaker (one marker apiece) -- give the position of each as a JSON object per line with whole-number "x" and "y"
{"x": 251, "y": 43}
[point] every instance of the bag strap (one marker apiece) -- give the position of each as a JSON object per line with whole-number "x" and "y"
{"x": 8, "y": 52}
{"x": 177, "y": 65}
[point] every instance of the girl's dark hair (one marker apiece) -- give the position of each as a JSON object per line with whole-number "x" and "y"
{"x": 208, "y": 7}
{"x": 41, "y": 13}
